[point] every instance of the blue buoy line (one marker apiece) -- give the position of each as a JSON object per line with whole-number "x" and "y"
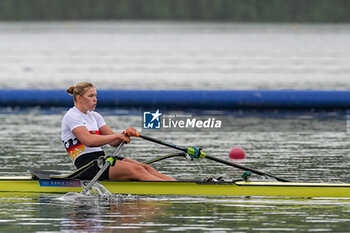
{"x": 185, "y": 99}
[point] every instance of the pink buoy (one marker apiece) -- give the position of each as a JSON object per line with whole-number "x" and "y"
{"x": 237, "y": 153}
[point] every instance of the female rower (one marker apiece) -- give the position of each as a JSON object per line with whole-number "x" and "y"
{"x": 84, "y": 131}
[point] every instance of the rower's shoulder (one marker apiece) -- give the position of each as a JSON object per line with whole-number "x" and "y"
{"x": 72, "y": 113}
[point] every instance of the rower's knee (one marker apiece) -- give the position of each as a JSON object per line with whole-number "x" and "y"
{"x": 137, "y": 172}
{"x": 148, "y": 167}
{"x": 126, "y": 171}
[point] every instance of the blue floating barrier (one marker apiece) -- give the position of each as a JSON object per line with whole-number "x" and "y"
{"x": 185, "y": 99}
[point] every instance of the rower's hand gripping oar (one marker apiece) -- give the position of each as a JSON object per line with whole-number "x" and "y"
{"x": 110, "y": 161}
{"x": 195, "y": 152}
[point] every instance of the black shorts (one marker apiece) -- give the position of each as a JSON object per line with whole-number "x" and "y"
{"x": 92, "y": 171}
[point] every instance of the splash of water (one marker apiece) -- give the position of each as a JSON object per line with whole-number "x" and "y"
{"x": 97, "y": 192}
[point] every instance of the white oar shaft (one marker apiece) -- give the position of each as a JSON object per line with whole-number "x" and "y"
{"x": 119, "y": 147}
{"x": 99, "y": 173}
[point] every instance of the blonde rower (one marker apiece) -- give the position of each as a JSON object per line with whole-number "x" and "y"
{"x": 84, "y": 131}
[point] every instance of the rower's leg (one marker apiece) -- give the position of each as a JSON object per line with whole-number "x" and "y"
{"x": 151, "y": 170}
{"x": 124, "y": 170}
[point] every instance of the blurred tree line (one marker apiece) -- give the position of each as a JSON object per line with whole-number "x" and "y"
{"x": 209, "y": 10}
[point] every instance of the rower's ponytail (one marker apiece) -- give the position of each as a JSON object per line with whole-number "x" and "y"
{"x": 79, "y": 89}
{"x": 70, "y": 90}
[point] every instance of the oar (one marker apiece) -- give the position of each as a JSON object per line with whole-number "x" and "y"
{"x": 245, "y": 168}
{"x": 109, "y": 161}
{"x": 197, "y": 153}
{"x": 166, "y": 157}
{"x": 192, "y": 151}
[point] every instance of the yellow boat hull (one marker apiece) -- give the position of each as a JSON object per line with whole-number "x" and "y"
{"x": 239, "y": 188}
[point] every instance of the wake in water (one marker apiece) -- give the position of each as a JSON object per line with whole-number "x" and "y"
{"x": 98, "y": 193}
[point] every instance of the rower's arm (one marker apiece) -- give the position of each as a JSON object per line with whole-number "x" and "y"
{"x": 106, "y": 130}
{"x": 93, "y": 140}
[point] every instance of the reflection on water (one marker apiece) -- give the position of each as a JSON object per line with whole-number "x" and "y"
{"x": 145, "y": 213}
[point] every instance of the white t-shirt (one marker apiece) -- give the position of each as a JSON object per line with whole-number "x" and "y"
{"x": 74, "y": 118}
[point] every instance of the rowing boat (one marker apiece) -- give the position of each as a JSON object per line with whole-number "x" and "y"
{"x": 55, "y": 182}
{"x": 203, "y": 188}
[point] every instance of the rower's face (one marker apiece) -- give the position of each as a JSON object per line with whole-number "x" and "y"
{"x": 89, "y": 99}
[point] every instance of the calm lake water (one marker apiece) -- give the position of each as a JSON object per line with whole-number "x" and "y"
{"x": 164, "y": 55}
